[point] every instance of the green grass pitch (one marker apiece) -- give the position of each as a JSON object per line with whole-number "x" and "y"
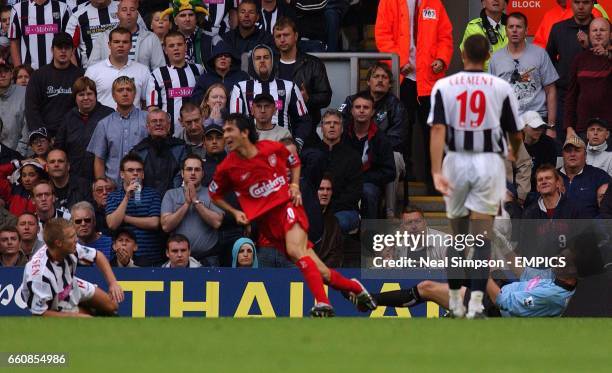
{"x": 314, "y": 345}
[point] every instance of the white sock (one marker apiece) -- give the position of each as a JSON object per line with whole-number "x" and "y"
{"x": 475, "y": 304}
{"x": 455, "y": 300}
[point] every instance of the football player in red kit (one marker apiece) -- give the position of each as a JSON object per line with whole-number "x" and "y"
{"x": 257, "y": 172}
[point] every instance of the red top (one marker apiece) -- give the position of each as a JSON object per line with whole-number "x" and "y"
{"x": 588, "y": 92}
{"x": 261, "y": 182}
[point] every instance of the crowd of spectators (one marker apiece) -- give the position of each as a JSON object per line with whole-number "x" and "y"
{"x": 111, "y": 116}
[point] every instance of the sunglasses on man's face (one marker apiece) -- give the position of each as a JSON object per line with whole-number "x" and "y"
{"x": 81, "y": 221}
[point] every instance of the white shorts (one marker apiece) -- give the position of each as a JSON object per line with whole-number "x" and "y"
{"x": 478, "y": 183}
{"x": 81, "y": 291}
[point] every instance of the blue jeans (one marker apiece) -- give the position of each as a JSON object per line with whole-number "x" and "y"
{"x": 334, "y": 12}
{"x": 348, "y": 220}
{"x": 370, "y": 200}
{"x": 269, "y": 257}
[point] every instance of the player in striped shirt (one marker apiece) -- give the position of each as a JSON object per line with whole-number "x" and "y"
{"x": 169, "y": 85}
{"x": 90, "y": 21}
{"x": 50, "y": 287}
{"x": 472, "y": 113}
{"x": 217, "y": 21}
{"x": 33, "y": 24}
{"x": 291, "y": 109}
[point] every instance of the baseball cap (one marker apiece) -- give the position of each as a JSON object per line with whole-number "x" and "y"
{"x": 213, "y": 128}
{"x": 41, "y": 132}
{"x": 574, "y": 141}
{"x": 598, "y": 121}
{"x": 62, "y": 39}
{"x": 126, "y": 231}
{"x": 533, "y": 119}
{"x": 263, "y": 97}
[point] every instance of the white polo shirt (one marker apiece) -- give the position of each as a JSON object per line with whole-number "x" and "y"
{"x": 104, "y": 74}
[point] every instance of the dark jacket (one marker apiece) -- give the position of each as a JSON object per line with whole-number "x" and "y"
{"x": 101, "y": 225}
{"x": 344, "y": 165}
{"x": 49, "y": 96}
{"x": 563, "y": 47}
{"x": 211, "y": 161}
{"x": 210, "y": 77}
{"x": 78, "y": 189}
{"x": 162, "y": 162}
{"x": 544, "y": 236}
{"x": 605, "y": 211}
{"x": 73, "y": 137}
{"x": 377, "y": 161}
{"x": 582, "y": 190}
{"x": 310, "y": 72}
{"x": 310, "y": 201}
{"x": 240, "y": 45}
{"x": 7, "y": 154}
{"x": 330, "y": 249}
{"x": 390, "y": 116}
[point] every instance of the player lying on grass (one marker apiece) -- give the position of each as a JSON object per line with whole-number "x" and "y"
{"x": 539, "y": 296}
{"x": 50, "y": 287}
{"x": 258, "y": 173}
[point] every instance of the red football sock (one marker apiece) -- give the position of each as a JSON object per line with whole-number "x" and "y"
{"x": 313, "y": 278}
{"x": 339, "y": 282}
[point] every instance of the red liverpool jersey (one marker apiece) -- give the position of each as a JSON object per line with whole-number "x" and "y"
{"x": 260, "y": 182}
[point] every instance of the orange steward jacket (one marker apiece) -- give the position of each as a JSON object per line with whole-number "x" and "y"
{"x": 434, "y": 38}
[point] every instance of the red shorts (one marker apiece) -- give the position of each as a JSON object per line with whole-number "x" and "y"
{"x": 274, "y": 225}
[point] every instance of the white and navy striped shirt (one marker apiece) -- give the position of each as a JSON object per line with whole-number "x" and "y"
{"x": 87, "y": 23}
{"x": 49, "y": 285}
{"x": 73, "y": 5}
{"x": 132, "y": 53}
{"x": 217, "y": 22}
{"x": 478, "y": 110}
{"x": 35, "y": 25}
{"x": 167, "y": 87}
{"x": 291, "y": 111}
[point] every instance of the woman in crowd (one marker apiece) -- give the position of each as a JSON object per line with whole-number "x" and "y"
{"x": 22, "y": 74}
{"x": 78, "y": 126}
{"x": 214, "y": 104}
{"x": 243, "y": 254}
{"x": 19, "y": 196}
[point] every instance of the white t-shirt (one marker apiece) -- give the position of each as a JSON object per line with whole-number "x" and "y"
{"x": 104, "y": 74}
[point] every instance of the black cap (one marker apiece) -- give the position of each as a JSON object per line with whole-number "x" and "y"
{"x": 213, "y": 128}
{"x": 62, "y": 39}
{"x": 599, "y": 121}
{"x": 126, "y": 231}
{"x": 263, "y": 97}
{"x": 41, "y": 132}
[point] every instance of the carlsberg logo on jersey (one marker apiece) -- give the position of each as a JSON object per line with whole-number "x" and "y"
{"x": 266, "y": 188}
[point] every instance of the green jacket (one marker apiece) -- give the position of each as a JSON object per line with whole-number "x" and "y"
{"x": 475, "y": 27}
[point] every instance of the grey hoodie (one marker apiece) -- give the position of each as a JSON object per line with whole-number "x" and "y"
{"x": 12, "y": 110}
{"x": 597, "y": 156}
